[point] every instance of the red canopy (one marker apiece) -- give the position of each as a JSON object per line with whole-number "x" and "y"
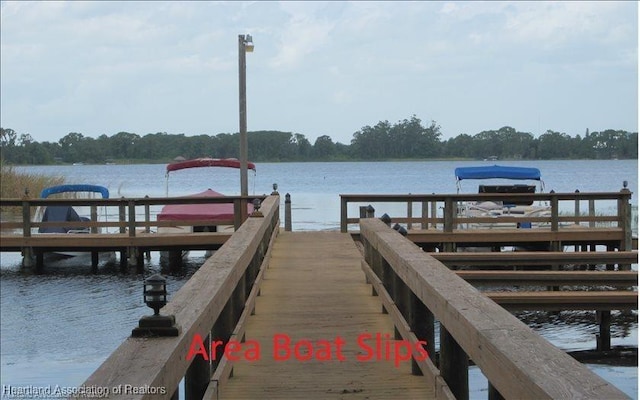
{"x": 208, "y": 162}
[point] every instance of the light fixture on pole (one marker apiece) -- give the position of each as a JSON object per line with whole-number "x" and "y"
{"x": 245, "y": 45}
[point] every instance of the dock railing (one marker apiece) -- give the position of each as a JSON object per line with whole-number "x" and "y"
{"x": 416, "y": 289}
{"x": 128, "y": 225}
{"x": 442, "y": 211}
{"x": 121, "y": 214}
{"x": 206, "y": 308}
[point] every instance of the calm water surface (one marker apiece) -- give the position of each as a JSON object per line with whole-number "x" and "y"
{"x": 58, "y": 327}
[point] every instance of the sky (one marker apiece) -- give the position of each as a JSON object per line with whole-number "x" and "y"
{"x": 318, "y": 68}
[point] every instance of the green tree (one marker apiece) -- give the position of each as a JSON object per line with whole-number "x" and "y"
{"x": 323, "y": 148}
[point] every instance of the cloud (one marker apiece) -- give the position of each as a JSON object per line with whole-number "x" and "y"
{"x": 303, "y": 33}
{"x": 96, "y": 67}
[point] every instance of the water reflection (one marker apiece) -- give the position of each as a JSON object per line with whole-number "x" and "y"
{"x": 67, "y": 320}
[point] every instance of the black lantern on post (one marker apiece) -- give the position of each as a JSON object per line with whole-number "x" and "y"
{"x": 155, "y": 296}
{"x": 155, "y": 293}
{"x": 256, "y": 208}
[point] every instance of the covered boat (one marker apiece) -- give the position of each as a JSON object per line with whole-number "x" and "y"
{"x": 217, "y": 216}
{"x": 66, "y": 213}
{"x": 523, "y": 208}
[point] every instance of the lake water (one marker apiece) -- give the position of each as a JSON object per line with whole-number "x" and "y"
{"x": 58, "y": 327}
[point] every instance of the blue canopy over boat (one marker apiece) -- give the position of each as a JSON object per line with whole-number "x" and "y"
{"x": 497, "y": 171}
{"x": 75, "y": 188}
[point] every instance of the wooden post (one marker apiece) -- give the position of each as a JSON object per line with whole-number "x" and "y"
{"x": 454, "y": 365}
{"x": 554, "y": 212}
{"x": 222, "y": 331}
{"x": 555, "y": 245}
{"x": 27, "y": 252}
{"x": 624, "y": 215}
{"x": 494, "y": 394}
{"x": 422, "y": 324}
{"x": 603, "y": 339}
{"x": 147, "y": 220}
{"x": 401, "y": 298}
{"x": 434, "y": 214}
{"x": 147, "y": 216}
{"x": 95, "y": 257}
{"x": 449, "y": 221}
{"x": 287, "y": 212}
{"x": 425, "y": 215}
{"x": 343, "y": 215}
{"x": 94, "y": 218}
{"x": 237, "y": 213}
{"x": 409, "y": 214}
{"x": 122, "y": 218}
{"x": 576, "y": 210}
{"x": 240, "y": 297}
{"x": 198, "y": 375}
{"x": 576, "y": 213}
{"x": 592, "y": 223}
{"x": 132, "y": 255}
{"x": 94, "y": 229}
{"x": 383, "y": 272}
{"x": 26, "y": 218}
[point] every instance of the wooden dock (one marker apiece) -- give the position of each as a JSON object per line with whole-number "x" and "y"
{"x": 301, "y": 301}
{"x": 314, "y": 290}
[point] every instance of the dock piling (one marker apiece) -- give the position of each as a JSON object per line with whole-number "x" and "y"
{"x": 287, "y": 212}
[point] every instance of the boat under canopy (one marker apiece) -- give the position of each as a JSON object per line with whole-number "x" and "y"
{"x": 204, "y": 212}
{"x": 497, "y": 171}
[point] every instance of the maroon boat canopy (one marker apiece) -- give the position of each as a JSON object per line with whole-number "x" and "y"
{"x": 208, "y": 162}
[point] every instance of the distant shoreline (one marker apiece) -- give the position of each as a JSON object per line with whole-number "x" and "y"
{"x": 142, "y": 162}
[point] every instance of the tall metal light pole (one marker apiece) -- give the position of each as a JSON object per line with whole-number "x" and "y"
{"x": 245, "y": 45}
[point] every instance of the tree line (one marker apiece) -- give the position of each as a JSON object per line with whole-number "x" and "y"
{"x": 406, "y": 139}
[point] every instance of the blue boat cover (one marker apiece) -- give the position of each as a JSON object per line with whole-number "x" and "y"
{"x": 59, "y": 214}
{"x": 497, "y": 171}
{"x": 75, "y": 188}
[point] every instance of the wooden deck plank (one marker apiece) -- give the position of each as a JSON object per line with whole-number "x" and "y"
{"x": 315, "y": 290}
{"x": 566, "y": 300}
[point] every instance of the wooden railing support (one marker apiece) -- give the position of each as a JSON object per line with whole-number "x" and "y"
{"x": 287, "y": 212}
{"x": 422, "y": 324}
{"x": 208, "y": 305}
{"x": 624, "y": 212}
{"x": 472, "y": 325}
{"x": 198, "y": 375}
{"x": 603, "y": 338}
{"x": 409, "y": 214}
{"x": 454, "y": 365}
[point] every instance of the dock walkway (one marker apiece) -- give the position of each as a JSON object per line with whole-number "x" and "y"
{"x": 315, "y": 290}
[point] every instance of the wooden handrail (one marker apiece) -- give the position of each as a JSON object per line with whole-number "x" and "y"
{"x": 127, "y": 220}
{"x": 448, "y": 203}
{"x": 213, "y": 295}
{"x": 518, "y": 362}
